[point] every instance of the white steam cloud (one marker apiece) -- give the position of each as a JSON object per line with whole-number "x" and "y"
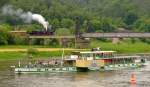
{"x": 26, "y": 16}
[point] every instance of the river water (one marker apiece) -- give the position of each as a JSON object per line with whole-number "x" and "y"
{"x": 120, "y": 78}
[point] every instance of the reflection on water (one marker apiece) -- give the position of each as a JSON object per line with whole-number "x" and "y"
{"x": 77, "y": 79}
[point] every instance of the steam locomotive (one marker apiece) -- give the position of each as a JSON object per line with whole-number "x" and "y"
{"x": 42, "y": 32}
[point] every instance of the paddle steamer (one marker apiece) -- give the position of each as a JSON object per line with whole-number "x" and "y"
{"x": 94, "y": 60}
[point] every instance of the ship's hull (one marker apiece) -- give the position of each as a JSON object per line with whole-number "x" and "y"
{"x": 75, "y": 69}
{"x": 36, "y": 70}
{"x": 124, "y": 66}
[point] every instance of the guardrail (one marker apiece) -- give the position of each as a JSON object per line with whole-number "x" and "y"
{"x": 36, "y": 37}
{"x": 115, "y": 35}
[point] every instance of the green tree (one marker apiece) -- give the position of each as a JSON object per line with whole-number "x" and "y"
{"x": 96, "y": 25}
{"x": 62, "y": 13}
{"x": 67, "y": 23}
{"x": 103, "y": 25}
{"x": 142, "y": 25}
{"x": 107, "y": 25}
{"x": 3, "y": 37}
{"x": 55, "y": 23}
{"x": 63, "y": 32}
{"x": 130, "y": 19}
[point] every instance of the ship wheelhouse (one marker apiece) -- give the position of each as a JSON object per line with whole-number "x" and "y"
{"x": 92, "y": 58}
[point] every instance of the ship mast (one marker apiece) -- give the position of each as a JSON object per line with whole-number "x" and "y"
{"x": 62, "y": 58}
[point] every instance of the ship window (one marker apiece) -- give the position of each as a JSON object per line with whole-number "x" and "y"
{"x": 46, "y": 69}
{"x": 98, "y": 56}
{"x": 60, "y": 68}
{"x": 87, "y": 56}
{"x": 38, "y": 69}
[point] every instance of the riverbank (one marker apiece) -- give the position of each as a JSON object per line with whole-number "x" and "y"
{"x": 20, "y": 55}
{"x": 15, "y": 52}
{"x": 127, "y": 47}
{"x": 38, "y": 49}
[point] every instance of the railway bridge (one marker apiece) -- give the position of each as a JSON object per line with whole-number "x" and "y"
{"x": 88, "y": 35}
{"x": 116, "y": 35}
{"x": 78, "y": 41}
{"x": 72, "y": 38}
{"x": 101, "y": 35}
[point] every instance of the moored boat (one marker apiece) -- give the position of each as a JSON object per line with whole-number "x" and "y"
{"x": 85, "y": 61}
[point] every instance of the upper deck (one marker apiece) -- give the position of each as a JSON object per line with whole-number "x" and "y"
{"x": 96, "y": 52}
{"x": 92, "y": 55}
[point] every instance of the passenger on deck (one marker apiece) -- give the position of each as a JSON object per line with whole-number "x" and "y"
{"x": 96, "y": 49}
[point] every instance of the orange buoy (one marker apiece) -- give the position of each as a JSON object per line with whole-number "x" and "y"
{"x": 133, "y": 79}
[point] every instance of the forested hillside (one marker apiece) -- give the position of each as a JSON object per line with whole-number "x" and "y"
{"x": 93, "y": 15}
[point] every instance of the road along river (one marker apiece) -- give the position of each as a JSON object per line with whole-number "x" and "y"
{"x": 119, "y": 78}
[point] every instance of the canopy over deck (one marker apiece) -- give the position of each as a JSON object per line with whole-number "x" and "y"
{"x": 93, "y": 52}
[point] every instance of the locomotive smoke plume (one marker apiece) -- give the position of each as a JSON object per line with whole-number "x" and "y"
{"x": 27, "y": 17}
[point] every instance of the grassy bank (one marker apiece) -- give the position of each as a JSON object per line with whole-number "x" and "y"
{"x": 23, "y": 46}
{"x": 123, "y": 47}
{"x": 23, "y": 55}
{"x": 12, "y": 55}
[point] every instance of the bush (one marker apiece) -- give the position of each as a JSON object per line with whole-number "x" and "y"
{"x": 3, "y": 37}
{"x": 103, "y": 25}
{"x": 63, "y": 31}
{"x": 16, "y": 40}
{"x": 32, "y": 51}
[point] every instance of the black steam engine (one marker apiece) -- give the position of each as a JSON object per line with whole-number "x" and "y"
{"x": 41, "y": 33}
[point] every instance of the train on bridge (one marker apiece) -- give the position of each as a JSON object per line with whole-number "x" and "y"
{"x": 41, "y": 33}
{"x": 33, "y": 33}
{"x": 86, "y": 35}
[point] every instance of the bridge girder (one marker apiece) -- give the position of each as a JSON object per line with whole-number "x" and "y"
{"x": 116, "y": 35}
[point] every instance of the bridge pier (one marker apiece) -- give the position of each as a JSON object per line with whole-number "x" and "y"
{"x": 65, "y": 42}
{"x": 115, "y": 40}
{"x": 31, "y": 41}
{"x": 81, "y": 43}
{"x": 46, "y": 41}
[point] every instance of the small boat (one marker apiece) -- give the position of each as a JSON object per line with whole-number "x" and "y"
{"x": 94, "y": 60}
